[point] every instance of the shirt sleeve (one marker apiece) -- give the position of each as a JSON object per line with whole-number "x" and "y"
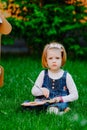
{"x": 36, "y": 90}
{"x": 73, "y": 93}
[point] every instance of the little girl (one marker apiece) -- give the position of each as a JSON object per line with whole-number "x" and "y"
{"x": 53, "y": 82}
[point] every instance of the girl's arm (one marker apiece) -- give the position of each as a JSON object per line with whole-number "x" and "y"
{"x": 73, "y": 93}
{"x": 39, "y": 81}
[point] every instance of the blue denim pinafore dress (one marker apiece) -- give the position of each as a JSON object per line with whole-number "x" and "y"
{"x": 57, "y": 88}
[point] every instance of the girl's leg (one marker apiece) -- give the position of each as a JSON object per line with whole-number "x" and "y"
{"x": 58, "y": 108}
{"x": 62, "y": 106}
{"x": 54, "y": 110}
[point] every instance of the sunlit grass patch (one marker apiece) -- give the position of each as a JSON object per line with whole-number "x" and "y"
{"x": 17, "y": 89}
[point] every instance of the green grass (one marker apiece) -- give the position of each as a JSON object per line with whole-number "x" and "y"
{"x": 17, "y": 89}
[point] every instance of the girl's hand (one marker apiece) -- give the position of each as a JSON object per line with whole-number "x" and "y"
{"x": 58, "y": 99}
{"x": 45, "y": 92}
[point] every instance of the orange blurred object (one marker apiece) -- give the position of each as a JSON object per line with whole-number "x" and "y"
{"x": 1, "y": 76}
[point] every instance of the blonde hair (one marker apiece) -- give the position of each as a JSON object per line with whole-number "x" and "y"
{"x": 51, "y": 46}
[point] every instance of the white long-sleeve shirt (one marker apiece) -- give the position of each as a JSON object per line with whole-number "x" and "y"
{"x": 73, "y": 93}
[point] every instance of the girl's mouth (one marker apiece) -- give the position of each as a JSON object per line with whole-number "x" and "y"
{"x": 54, "y": 65}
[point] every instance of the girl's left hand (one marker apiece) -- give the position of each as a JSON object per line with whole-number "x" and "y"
{"x": 57, "y": 99}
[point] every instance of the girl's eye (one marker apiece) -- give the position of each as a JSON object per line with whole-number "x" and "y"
{"x": 57, "y": 58}
{"x": 50, "y": 58}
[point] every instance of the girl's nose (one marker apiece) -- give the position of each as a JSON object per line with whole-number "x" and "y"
{"x": 54, "y": 60}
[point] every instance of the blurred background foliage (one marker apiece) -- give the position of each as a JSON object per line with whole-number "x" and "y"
{"x": 40, "y": 21}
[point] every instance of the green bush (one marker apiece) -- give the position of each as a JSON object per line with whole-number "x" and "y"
{"x": 50, "y": 22}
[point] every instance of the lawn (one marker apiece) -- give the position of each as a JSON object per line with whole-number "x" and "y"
{"x": 17, "y": 88}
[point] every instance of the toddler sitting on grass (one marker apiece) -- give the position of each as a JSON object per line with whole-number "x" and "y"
{"x": 53, "y": 81}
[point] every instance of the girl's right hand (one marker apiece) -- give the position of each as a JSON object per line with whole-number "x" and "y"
{"x": 45, "y": 92}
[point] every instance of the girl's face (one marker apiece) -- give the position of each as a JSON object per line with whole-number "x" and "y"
{"x": 54, "y": 59}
